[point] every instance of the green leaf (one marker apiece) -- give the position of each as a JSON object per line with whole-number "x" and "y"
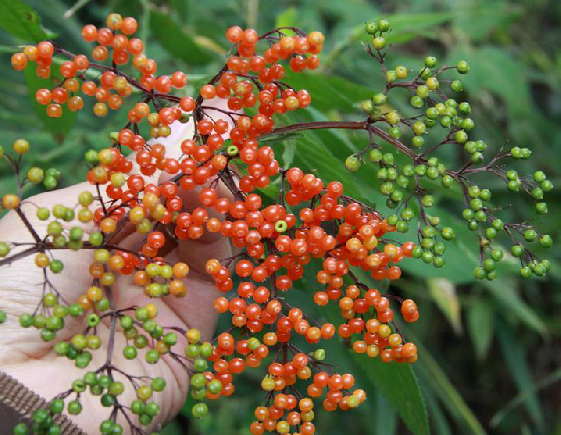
{"x": 330, "y": 92}
{"x": 509, "y": 300}
{"x": 443, "y": 388}
{"x": 56, "y": 126}
{"x": 490, "y": 76}
{"x": 524, "y": 395}
{"x": 287, "y": 18}
{"x": 480, "y": 326}
{"x": 438, "y": 419}
{"x": 317, "y": 157}
{"x": 20, "y": 20}
{"x": 182, "y": 8}
{"x": 406, "y": 27}
{"x": 477, "y": 23}
{"x": 288, "y": 154}
{"x": 385, "y": 418}
{"x": 400, "y": 386}
{"x": 515, "y": 359}
{"x": 443, "y": 292}
{"x": 176, "y": 41}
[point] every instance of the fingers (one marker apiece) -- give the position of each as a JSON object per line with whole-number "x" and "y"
{"x": 196, "y": 252}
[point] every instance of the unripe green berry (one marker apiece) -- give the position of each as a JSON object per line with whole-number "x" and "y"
{"x": 463, "y": 67}
{"x": 352, "y": 163}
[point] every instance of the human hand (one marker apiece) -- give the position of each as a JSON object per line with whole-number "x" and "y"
{"x": 33, "y": 362}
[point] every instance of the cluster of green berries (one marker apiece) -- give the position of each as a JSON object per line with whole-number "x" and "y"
{"x": 136, "y": 340}
{"x": 200, "y": 386}
{"x": 49, "y": 178}
{"x": 108, "y": 390}
{"x": 53, "y": 321}
{"x": 377, "y": 30}
{"x": 402, "y": 184}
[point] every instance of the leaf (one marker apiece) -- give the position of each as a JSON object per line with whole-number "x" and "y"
{"x": 56, "y": 126}
{"x": 20, "y": 20}
{"x": 181, "y": 7}
{"x": 443, "y": 292}
{"x": 531, "y": 390}
{"x": 287, "y": 18}
{"x": 385, "y": 418}
{"x": 401, "y": 388}
{"x": 480, "y": 326}
{"x": 477, "y": 23}
{"x": 176, "y": 41}
{"x": 438, "y": 419}
{"x": 318, "y": 157}
{"x": 490, "y": 76}
{"x": 406, "y": 27}
{"x": 288, "y": 154}
{"x": 443, "y": 388}
{"x": 516, "y": 361}
{"x": 510, "y": 302}
{"x": 397, "y": 382}
{"x": 330, "y": 92}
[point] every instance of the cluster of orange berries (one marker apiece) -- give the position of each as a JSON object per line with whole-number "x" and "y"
{"x": 286, "y": 411}
{"x": 312, "y": 219}
{"x": 115, "y": 43}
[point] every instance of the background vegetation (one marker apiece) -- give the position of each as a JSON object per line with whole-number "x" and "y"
{"x": 490, "y": 351}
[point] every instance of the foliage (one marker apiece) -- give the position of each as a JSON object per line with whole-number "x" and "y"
{"x": 513, "y": 85}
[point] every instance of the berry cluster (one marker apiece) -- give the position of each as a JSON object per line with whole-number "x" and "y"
{"x": 409, "y": 188}
{"x": 225, "y": 166}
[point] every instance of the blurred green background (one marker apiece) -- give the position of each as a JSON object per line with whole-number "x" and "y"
{"x": 490, "y": 352}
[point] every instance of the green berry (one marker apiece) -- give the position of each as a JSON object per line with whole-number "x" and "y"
{"x": 21, "y": 429}
{"x": 352, "y": 163}
{"x": 539, "y": 176}
{"x": 214, "y": 386}
{"x": 379, "y": 43}
{"x": 447, "y": 233}
{"x": 457, "y": 86}
{"x": 541, "y": 208}
{"x": 158, "y": 384}
{"x": 232, "y": 150}
{"x": 428, "y": 200}
{"x": 383, "y": 25}
{"x": 479, "y": 273}
{"x": 379, "y": 99}
{"x": 546, "y": 185}
{"x": 371, "y": 28}
{"x": 152, "y": 356}
{"x": 439, "y": 262}
{"x": 74, "y": 407}
{"x": 546, "y": 241}
{"x": 129, "y": 352}
{"x": 462, "y": 67}
{"x": 417, "y": 102}
{"x": 517, "y": 251}
{"x": 530, "y": 235}
{"x": 430, "y": 61}
{"x": 200, "y": 410}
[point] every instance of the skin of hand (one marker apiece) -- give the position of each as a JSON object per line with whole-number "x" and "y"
{"x": 30, "y": 360}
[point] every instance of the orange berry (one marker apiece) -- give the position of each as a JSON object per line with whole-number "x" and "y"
{"x": 89, "y": 33}
{"x": 54, "y": 110}
{"x": 19, "y": 61}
